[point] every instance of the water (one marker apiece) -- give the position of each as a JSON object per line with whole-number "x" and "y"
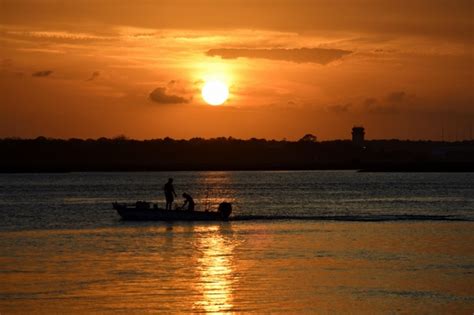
{"x": 299, "y": 242}
{"x": 83, "y": 200}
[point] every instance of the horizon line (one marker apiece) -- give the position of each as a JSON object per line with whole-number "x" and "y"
{"x": 228, "y": 138}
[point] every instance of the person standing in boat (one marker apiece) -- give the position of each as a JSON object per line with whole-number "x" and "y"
{"x": 169, "y": 193}
{"x": 188, "y": 201}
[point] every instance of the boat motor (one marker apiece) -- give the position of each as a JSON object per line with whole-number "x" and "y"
{"x": 225, "y": 209}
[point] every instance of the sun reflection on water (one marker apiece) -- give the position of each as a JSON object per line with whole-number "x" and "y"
{"x": 216, "y": 188}
{"x": 215, "y": 272}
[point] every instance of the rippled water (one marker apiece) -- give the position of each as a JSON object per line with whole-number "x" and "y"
{"x": 296, "y": 244}
{"x": 83, "y": 200}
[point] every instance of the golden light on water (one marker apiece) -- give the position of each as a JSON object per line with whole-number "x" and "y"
{"x": 216, "y": 273}
{"x": 255, "y": 267}
{"x": 217, "y": 188}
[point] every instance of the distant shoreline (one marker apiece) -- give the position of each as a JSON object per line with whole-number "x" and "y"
{"x": 44, "y": 155}
{"x": 369, "y": 169}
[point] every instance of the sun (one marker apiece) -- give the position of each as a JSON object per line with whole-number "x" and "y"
{"x": 215, "y": 92}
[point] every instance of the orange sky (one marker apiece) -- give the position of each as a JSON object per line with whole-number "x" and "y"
{"x": 77, "y": 68}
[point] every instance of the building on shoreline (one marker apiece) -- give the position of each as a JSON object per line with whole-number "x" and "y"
{"x": 358, "y": 133}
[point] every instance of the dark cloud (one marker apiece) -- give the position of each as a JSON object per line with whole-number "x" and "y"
{"x": 339, "y": 108}
{"x": 372, "y": 105}
{"x": 438, "y": 18}
{"x": 94, "y": 75}
{"x": 299, "y": 55}
{"x": 160, "y": 95}
{"x": 393, "y": 102}
{"x": 385, "y": 51}
{"x": 43, "y": 73}
{"x": 396, "y": 97}
{"x": 7, "y": 62}
{"x": 370, "y": 101}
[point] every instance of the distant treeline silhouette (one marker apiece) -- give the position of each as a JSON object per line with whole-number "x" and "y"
{"x": 122, "y": 154}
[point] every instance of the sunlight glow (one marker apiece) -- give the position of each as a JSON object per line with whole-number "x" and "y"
{"x": 215, "y": 92}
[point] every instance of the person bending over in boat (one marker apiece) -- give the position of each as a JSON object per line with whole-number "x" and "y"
{"x": 169, "y": 193}
{"x": 188, "y": 201}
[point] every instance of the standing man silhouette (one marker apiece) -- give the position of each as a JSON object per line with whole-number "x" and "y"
{"x": 169, "y": 193}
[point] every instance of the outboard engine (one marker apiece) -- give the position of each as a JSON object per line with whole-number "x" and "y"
{"x": 225, "y": 209}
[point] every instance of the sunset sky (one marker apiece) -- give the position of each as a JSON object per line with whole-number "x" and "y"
{"x": 87, "y": 69}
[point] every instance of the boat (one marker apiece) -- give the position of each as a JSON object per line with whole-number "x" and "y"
{"x": 145, "y": 211}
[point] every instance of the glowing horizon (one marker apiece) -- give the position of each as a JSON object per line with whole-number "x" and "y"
{"x": 304, "y": 70}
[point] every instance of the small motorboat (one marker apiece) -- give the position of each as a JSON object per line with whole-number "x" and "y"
{"x": 145, "y": 211}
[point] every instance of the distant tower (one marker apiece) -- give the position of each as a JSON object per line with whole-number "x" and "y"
{"x": 358, "y": 134}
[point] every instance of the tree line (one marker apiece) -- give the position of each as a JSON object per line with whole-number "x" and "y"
{"x": 122, "y": 154}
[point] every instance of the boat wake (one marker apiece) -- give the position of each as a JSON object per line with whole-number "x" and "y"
{"x": 357, "y": 218}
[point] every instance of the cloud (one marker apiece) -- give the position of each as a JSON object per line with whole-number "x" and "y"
{"x": 299, "y": 55}
{"x": 42, "y": 50}
{"x": 43, "y": 73}
{"x": 396, "y": 97}
{"x": 372, "y": 105}
{"x": 393, "y": 102}
{"x": 7, "y": 63}
{"x": 339, "y": 108}
{"x": 52, "y": 36}
{"x": 420, "y": 17}
{"x": 94, "y": 75}
{"x": 159, "y": 95}
{"x": 370, "y": 101}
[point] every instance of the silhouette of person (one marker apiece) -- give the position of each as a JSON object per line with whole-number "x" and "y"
{"x": 188, "y": 201}
{"x": 169, "y": 193}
